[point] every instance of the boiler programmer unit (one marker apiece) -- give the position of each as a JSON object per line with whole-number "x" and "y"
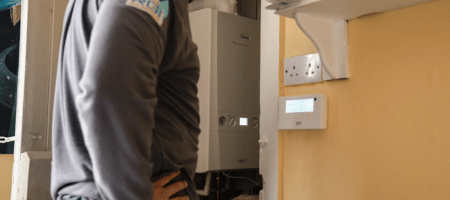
{"x": 303, "y": 112}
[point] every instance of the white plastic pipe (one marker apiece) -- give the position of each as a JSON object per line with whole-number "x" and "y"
{"x": 205, "y": 191}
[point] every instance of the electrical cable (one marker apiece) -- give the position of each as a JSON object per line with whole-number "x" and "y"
{"x": 240, "y": 178}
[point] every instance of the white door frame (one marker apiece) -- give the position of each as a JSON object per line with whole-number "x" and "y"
{"x": 270, "y": 43}
{"x": 41, "y": 26}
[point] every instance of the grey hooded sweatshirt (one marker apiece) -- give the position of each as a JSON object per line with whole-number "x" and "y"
{"x": 126, "y": 106}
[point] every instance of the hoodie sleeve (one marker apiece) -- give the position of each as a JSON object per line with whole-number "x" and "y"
{"x": 118, "y": 99}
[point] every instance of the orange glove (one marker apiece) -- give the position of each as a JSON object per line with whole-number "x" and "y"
{"x": 164, "y": 193}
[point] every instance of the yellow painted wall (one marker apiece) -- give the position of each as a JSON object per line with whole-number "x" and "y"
{"x": 6, "y": 166}
{"x": 388, "y": 133}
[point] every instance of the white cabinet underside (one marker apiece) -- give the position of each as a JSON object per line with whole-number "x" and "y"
{"x": 338, "y": 9}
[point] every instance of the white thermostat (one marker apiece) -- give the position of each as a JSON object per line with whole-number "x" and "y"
{"x": 303, "y": 112}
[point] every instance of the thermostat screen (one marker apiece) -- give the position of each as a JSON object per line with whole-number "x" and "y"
{"x": 243, "y": 121}
{"x": 300, "y": 106}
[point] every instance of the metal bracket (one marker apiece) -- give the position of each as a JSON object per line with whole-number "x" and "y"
{"x": 330, "y": 37}
{"x": 33, "y": 137}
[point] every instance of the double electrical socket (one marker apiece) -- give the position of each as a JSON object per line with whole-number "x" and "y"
{"x": 303, "y": 69}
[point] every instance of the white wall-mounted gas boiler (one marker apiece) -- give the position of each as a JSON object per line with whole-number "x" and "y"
{"x": 229, "y": 52}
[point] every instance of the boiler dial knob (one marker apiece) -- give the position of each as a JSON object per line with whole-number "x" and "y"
{"x": 232, "y": 121}
{"x": 222, "y": 121}
{"x": 255, "y": 122}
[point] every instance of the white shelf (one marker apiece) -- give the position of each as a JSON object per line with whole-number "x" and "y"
{"x": 325, "y": 23}
{"x": 338, "y": 9}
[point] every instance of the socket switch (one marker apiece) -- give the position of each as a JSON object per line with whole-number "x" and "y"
{"x": 303, "y": 69}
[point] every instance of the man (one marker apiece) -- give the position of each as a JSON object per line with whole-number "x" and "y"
{"x": 126, "y": 106}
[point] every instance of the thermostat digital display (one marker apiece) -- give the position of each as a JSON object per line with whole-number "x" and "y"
{"x": 303, "y": 112}
{"x": 299, "y": 106}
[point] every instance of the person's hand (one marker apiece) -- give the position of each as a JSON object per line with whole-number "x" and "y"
{"x": 164, "y": 193}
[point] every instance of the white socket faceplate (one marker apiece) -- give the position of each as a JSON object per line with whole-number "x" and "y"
{"x": 302, "y": 69}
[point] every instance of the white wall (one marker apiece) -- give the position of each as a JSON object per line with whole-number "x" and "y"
{"x": 270, "y": 30}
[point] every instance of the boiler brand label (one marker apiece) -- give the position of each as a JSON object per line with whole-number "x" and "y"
{"x": 245, "y": 36}
{"x": 158, "y": 9}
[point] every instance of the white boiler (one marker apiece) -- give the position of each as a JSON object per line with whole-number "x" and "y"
{"x": 229, "y": 52}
